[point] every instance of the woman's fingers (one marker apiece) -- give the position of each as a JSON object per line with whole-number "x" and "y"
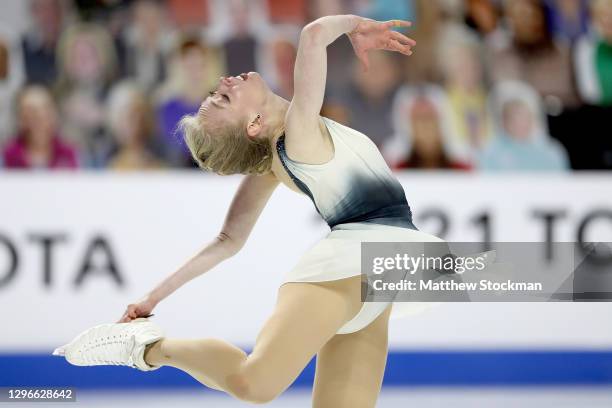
{"x": 402, "y": 38}
{"x": 397, "y": 23}
{"x": 394, "y": 45}
{"x": 136, "y": 310}
{"x": 128, "y": 315}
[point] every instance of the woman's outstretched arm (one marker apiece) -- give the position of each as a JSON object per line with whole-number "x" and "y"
{"x": 248, "y": 203}
{"x": 310, "y": 73}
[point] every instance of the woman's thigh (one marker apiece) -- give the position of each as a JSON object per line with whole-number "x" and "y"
{"x": 350, "y": 367}
{"x": 305, "y": 317}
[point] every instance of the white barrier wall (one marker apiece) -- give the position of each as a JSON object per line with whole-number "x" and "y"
{"x": 75, "y": 249}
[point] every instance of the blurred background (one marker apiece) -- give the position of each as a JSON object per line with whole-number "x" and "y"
{"x": 494, "y": 85}
{"x": 498, "y": 127}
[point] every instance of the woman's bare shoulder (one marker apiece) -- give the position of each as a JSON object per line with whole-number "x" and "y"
{"x": 309, "y": 146}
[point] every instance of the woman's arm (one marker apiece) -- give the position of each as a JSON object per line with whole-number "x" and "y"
{"x": 310, "y": 70}
{"x": 248, "y": 202}
{"x": 310, "y": 73}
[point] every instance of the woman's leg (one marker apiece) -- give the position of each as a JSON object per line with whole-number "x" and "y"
{"x": 350, "y": 367}
{"x": 305, "y": 317}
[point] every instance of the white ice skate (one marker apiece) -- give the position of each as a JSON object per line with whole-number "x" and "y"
{"x": 113, "y": 344}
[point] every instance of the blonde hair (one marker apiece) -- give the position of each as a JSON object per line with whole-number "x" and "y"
{"x": 228, "y": 151}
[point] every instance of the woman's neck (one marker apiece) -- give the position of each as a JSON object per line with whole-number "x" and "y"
{"x": 274, "y": 113}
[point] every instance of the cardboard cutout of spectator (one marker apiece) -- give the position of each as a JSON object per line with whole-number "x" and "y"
{"x": 422, "y": 131}
{"x": 522, "y": 141}
{"x": 38, "y": 144}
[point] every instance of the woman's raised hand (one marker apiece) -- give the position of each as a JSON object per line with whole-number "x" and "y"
{"x": 377, "y": 35}
{"x": 142, "y": 308}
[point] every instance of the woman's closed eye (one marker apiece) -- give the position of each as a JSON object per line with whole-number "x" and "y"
{"x": 224, "y": 96}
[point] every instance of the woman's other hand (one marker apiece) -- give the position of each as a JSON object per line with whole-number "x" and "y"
{"x": 142, "y": 308}
{"x": 377, "y": 35}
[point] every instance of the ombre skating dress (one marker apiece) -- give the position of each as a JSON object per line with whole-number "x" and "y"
{"x": 361, "y": 200}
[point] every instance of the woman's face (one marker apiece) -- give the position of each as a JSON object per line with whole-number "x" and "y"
{"x": 148, "y": 17}
{"x": 527, "y": 20}
{"x": 85, "y": 63}
{"x": 234, "y": 100}
{"x": 37, "y": 116}
{"x": 484, "y": 14}
{"x": 131, "y": 126}
{"x": 193, "y": 63}
{"x": 425, "y": 128}
{"x": 518, "y": 120}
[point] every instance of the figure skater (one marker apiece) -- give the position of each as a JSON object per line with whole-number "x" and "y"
{"x": 244, "y": 128}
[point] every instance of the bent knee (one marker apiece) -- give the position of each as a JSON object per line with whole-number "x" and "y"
{"x": 251, "y": 389}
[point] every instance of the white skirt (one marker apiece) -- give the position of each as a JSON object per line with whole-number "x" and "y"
{"x": 338, "y": 256}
